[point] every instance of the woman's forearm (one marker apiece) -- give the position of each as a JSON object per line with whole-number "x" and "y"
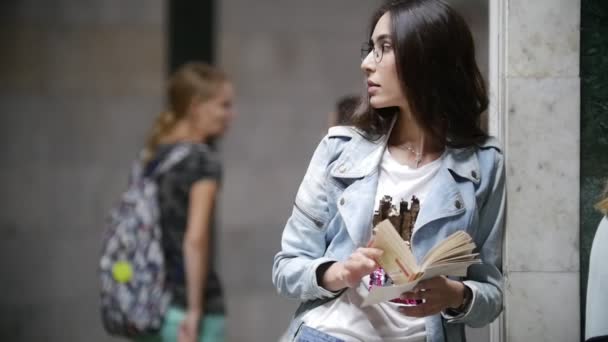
{"x": 196, "y": 242}
{"x": 195, "y": 257}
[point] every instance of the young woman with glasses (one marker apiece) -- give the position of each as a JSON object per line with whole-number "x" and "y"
{"x": 416, "y": 139}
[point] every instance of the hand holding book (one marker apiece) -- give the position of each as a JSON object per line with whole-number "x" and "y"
{"x": 451, "y": 257}
{"x": 349, "y": 272}
{"x": 436, "y": 295}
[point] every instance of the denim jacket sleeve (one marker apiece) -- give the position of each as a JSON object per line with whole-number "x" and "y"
{"x": 485, "y": 280}
{"x": 303, "y": 243}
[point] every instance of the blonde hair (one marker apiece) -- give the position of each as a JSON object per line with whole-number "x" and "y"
{"x": 603, "y": 204}
{"x": 192, "y": 81}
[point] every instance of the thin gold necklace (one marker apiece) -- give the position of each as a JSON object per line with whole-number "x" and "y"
{"x": 407, "y": 147}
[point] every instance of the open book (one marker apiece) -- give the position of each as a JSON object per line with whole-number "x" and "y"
{"x": 450, "y": 257}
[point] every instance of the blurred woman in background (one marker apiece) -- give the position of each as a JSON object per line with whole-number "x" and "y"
{"x": 200, "y": 99}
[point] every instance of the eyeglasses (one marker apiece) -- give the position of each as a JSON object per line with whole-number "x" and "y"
{"x": 377, "y": 51}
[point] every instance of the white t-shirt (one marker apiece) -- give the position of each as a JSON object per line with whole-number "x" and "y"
{"x": 344, "y": 317}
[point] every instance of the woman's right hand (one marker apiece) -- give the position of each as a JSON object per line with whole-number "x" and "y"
{"x": 188, "y": 329}
{"x": 349, "y": 273}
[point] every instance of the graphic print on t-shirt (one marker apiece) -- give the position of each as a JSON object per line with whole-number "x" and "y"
{"x": 403, "y": 219}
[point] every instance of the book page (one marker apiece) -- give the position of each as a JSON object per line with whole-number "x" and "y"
{"x": 457, "y": 269}
{"x": 397, "y": 256}
{"x": 459, "y": 243}
{"x": 459, "y": 258}
{"x": 448, "y": 255}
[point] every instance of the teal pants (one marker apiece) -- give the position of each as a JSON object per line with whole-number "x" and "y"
{"x": 211, "y": 328}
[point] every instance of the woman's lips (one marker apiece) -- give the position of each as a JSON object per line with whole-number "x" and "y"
{"x": 372, "y": 87}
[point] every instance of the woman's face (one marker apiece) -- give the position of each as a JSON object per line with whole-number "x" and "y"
{"x": 379, "y": 66}
{"x": 212, "y": 118}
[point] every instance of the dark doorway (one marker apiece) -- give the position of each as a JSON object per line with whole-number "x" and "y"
{"x": 190, "y": 31}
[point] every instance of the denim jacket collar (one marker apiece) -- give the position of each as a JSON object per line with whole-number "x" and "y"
{"x": 362, "y": 157}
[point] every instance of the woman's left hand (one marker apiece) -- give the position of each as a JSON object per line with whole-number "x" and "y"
{"x": 438, "y": 293}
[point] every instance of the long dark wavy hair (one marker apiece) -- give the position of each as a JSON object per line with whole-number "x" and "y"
{"x": 435, "y": 62}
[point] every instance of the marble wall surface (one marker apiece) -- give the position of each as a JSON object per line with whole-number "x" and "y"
{"x": 542, "y": 119}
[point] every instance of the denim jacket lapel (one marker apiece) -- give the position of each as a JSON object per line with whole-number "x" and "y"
{"x": 356, "y": 206}
{"x": 359, "y": 161}
{"x": 444, "y": 198}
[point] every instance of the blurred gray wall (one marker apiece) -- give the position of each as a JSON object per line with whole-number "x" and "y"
{"x": 290, "y": 61}
{"x": 80, "y": 81}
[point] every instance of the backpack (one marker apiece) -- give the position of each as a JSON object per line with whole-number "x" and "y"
{"x": 134, "y": 293}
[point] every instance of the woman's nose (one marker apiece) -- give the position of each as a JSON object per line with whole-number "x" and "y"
{"x": 368, "y": 65}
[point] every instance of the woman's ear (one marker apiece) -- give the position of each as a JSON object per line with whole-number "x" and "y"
{"x": 194, "y": 107}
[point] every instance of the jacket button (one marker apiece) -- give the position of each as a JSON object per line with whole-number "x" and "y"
{"x": 342, "y": 168}
{"x": 474, "y": 174}
{"x": 341, "y": 201}
{"x": 458, "y": 204}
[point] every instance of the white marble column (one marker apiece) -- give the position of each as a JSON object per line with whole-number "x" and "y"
{"x": 536, "y": 107}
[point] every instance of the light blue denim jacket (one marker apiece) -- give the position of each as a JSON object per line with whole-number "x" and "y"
{"x": 332, "y": 216}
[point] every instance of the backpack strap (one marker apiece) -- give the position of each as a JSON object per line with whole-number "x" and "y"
{"x": 177, "y": 154}
{"x": 136, "y": 172}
